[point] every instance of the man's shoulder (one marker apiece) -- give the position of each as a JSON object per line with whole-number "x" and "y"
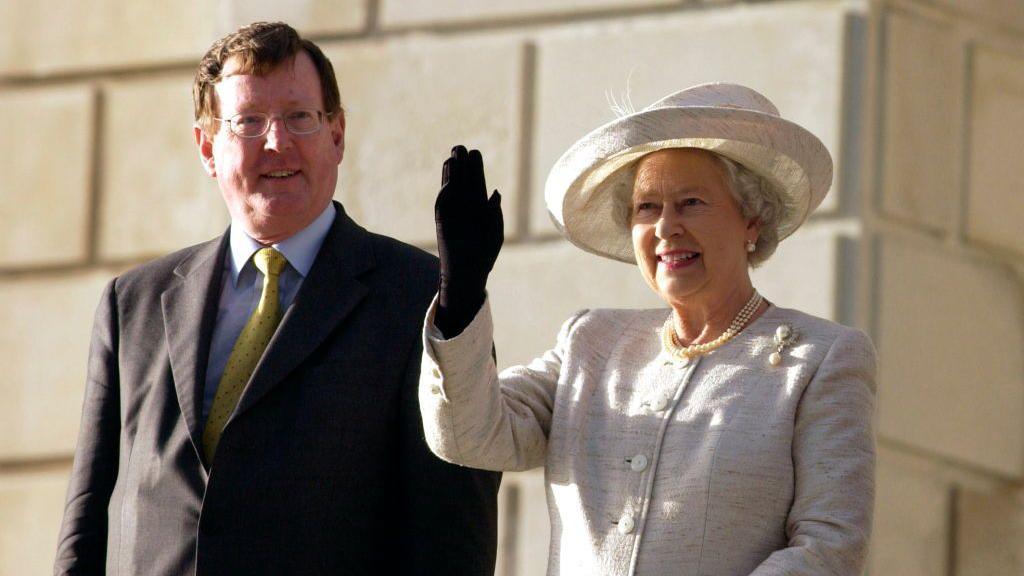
{"x": 384, "y": 252}
{"x": 391, "y": 252}
{"x": 162, "y": 270}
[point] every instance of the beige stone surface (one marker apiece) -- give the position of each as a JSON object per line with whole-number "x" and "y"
{"x": 990, "y": 533}
{"x": 534, "y": 289}
{"x": 912, "y": 518}
{"x": 523, "y": 525}
{"x": 416, "y": 13}
{"x": 44, "y": 36}
{"x": 516, "y": 500}
{"x": 406, "y": 108}
{"x": 155, "y": 196}
{"x": 307, "y": 16}
{"x": 31, "y": 506}
{"x": 55, "y": 36}
{"x": 995, "y": 206}
{"x": 507, "y": 495}
{"x": 44, "y": 344}
{"x": 534, "y": 525}
{"x": 791, "y": 52}
{"x": 993, "y": 12}
{"x": 44, "y": 201}
{"x": 921, "y": 119}
{"x": 950, "y": 334}
{"x": 804, "y": 273}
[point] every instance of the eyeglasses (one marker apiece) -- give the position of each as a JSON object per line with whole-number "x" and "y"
{"x": 256, "y": 124}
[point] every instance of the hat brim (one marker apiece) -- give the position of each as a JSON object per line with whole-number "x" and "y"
{"x": 587, "y": 184}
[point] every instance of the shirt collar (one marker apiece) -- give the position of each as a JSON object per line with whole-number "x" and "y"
{"x": 300, "y": 249}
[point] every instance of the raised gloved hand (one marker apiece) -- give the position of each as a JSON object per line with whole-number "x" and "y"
{"x": 470, "y": 231}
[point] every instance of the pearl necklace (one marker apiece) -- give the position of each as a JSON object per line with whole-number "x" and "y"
{"x": 673, "y": 348}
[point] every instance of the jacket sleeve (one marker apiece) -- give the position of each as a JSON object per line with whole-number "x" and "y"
{"x": 449, "y": 513}
{"x": 474, "y": 417}
{"x": 82, "y": 545}
{"x": 829, "y": 523}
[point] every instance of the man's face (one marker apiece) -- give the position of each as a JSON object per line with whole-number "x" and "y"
{"x": 278, "y": 183}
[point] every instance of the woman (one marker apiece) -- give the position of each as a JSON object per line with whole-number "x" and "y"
{"x": 723, "y": 436}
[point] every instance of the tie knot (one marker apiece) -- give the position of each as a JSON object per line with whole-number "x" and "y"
{"x": 269, "y": 261}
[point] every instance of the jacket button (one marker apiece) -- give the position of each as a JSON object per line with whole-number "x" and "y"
{"x": 435, "y": 372}
{"x": 435, "y": 389}
{"x": 626, "y": 524}
{"x": 638, "y": 463}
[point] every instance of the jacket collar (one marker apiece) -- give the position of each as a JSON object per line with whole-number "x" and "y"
{"x": 329, "y": 293}
{"x": 189, "y": 309}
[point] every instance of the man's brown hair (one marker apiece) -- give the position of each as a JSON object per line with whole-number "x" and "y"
{"x": 257, "y": 48}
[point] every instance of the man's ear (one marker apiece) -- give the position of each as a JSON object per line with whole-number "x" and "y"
{"x": 338, "y": 134}
{"x": 205, "y": 145}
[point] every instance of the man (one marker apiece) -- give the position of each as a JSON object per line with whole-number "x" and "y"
{"x": 251, "y": 403}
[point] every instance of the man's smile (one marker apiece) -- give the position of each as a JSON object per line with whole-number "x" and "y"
{"x": 279, "y": 174}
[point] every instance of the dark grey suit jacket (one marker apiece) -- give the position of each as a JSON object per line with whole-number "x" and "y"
{"x": 322, "y": 469}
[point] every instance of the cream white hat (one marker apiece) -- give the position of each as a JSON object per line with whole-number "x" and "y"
{"x": 592, "y": 178}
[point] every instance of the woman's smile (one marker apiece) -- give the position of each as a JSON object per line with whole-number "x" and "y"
{"x": 677, "y": 260}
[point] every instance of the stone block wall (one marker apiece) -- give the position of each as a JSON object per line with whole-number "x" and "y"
{"x": 943, "y": 281}
{"x": 103, "y": 174}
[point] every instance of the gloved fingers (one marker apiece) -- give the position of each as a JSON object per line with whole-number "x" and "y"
{"x": 446, "y": 171}
{"x": 475, "y": 175}
{"x": 496, "y": 221}
{"x": 452, "y": 165}
{"x": 463, "y": 186}
{"x": 451, "y": 180}
{"x": 494, "y": 208}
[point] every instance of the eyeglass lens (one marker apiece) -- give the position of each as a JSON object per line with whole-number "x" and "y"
{"x": 253, "y": 124}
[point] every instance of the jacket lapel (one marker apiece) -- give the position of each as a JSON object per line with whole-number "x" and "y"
{"x": 328, "y": 294}
{"x": 189, "y": 310}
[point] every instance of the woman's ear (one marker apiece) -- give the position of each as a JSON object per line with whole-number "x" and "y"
{"x": 753, "y": 230}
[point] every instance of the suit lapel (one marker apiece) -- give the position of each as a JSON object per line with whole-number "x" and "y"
{"x": 189, "y": 310}
{"x": 328, "y": 294}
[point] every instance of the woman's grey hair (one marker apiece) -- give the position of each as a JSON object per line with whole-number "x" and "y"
{"x": 757, "y": 197}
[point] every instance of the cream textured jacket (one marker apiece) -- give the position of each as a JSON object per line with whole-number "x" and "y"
{"x": 723, "y": 466}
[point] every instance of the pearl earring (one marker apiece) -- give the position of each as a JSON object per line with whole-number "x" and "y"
{"x": 751, "y": 247}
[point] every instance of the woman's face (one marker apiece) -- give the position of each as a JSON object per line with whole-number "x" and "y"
{"x": 689, "y": 236}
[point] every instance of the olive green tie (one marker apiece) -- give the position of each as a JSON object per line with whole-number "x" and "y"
{"x": 247, "y": 350}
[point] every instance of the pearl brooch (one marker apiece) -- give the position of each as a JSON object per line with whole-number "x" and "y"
{"x": 674, "y": 349}
{"x": 784, "y": 336}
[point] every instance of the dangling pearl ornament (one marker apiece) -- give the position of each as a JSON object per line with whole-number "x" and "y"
{"x": 751, "y": 247}
{"x": 675, "y": 350}
{"x": 784, "y": 336}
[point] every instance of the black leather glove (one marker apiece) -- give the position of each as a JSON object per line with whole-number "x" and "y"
{"x": 470, "y": 231}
